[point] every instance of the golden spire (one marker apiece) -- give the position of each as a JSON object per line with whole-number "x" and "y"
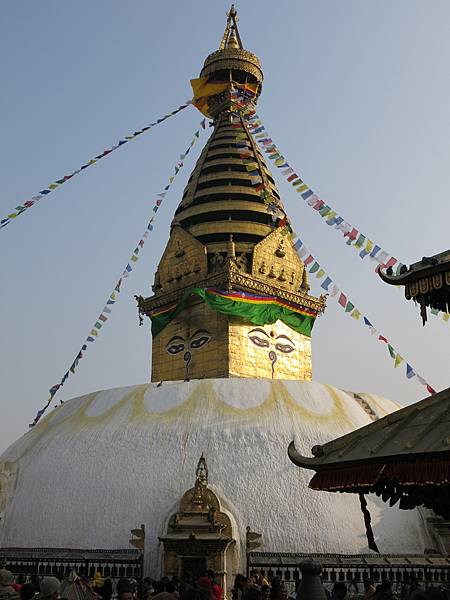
{"x": 229, "y": 233}
{"x": 231, "y": 37}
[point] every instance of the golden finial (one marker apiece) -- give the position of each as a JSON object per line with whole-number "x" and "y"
{"x": 231, "y": 37}
{"x": 232, "y": 40}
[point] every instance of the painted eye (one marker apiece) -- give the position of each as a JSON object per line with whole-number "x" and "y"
{"x": 175, "y": 348}
{"x": 201, "y": 341}
{"x": 262, "y": 343}
{"x": 286, "y": 348}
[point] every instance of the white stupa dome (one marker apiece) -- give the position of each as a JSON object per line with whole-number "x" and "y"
{"x": 104, "y": 463}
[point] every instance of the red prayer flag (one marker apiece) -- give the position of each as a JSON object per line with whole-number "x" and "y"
{"x": 292, "y": 177}
{"x": 430, "y": 389}
{"x": 382, "y": 339}
{"x": 342, "y": 300}
{"x": 390, "y": 263}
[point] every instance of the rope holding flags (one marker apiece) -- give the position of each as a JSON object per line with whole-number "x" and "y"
{"x": 21, "y": 208}
{"x": 107, "y": 309}
{"x": 327, "y": 284}
{"x": 352, "y": 235}
{"x": 245, "y": 107}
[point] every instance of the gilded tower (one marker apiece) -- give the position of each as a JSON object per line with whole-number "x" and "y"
{"x": 230, "y": 295}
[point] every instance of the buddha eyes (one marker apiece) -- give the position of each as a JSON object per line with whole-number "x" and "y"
{"x": 286, "y": 348}
{"x": 175, "y": 348}
{"x": 259, "y": 341}
{"x": 177, "y": 344}
{"x": 261, "y": 338}
{"x": 200, "y": 341}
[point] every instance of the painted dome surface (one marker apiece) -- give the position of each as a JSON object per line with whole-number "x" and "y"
{"x": 104, "y": 463}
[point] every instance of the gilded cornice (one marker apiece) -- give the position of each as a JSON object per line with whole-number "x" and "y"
{"x": 231, "y": 278}
{"x": 233, "y": 58}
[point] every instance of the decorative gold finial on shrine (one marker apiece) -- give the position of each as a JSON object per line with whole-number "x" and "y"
{"x": 231, "y": 37}
{"x": 201, "y": 482}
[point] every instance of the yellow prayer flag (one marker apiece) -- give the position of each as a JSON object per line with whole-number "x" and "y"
{"x": 320, "y": 273}
{"x": 369, "y": 245}
{"x": 53, "y": 186}
{"x": 355, "y": 314}
{"x": 302, "y": 188}
{"x": 398, "y": 360}
{"x": 203, "y": 89}
{"x": 446, "y": 316}
{"x": 134, "y": 258}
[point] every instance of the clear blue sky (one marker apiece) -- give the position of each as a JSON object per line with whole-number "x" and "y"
{"x": 356, "y": 96}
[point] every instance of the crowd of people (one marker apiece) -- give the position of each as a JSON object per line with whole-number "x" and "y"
{"x": 207, "y": 587}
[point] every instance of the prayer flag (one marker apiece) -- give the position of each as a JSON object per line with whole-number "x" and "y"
{"x": 307, "y": 194}
{"x": 355, "y": 314}
{"x": 398, "y": 360}
{"x": 330, "y": 220}
{"x": 334, "y": 290}
{"x": 375, "y": 251}
{"x": 342, "y": 300}
{"x": 383, "y": 339}
{"x": 320, "y": 273}
{"x": 409, "y": 371}
{"x": 325, "y": 283}
{"x": 315, "y": 267}
{"x": 430, "y": 389}
{"x": 391, "y": 351}
{"x": 308, "y": 260}
{"x": 390, "y": 263}
{"x": 324, "y": 211}
{"x": 318, "y": 205}
{"x": 349, "y": 307}
{"x": 360, "y": 241}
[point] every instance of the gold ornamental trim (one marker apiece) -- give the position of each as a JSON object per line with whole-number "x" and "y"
{"x": 221, "y": 205}
{"x": 427, "y": 284}
{"x": 230, "y": 227}
{"x": 232, "y": 279}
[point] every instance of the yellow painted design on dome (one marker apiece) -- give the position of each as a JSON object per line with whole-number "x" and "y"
{"x": 8, "y": 480}
{"x": 205, "y": 397}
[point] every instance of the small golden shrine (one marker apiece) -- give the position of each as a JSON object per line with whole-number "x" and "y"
{"x": 231, "y": 296}
{"x": 199, "y": 534}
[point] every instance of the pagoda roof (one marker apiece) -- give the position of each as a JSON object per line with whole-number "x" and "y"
{"x": 426, "y": 282}
{"x": 404, "y": 455}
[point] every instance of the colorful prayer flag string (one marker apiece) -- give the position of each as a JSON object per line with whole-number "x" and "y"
{"x": 107, "y": 309}
{"x": 353, "y": 237}
{"x": 364, "y": 246}
{"x": 327, "y": 284}
{"x": 21, "y": 208}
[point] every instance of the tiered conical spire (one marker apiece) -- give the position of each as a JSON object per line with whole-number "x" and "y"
{"x": 221, "y": 197}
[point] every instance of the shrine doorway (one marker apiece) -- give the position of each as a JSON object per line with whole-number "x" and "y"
{"x": 199, "y": 536}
